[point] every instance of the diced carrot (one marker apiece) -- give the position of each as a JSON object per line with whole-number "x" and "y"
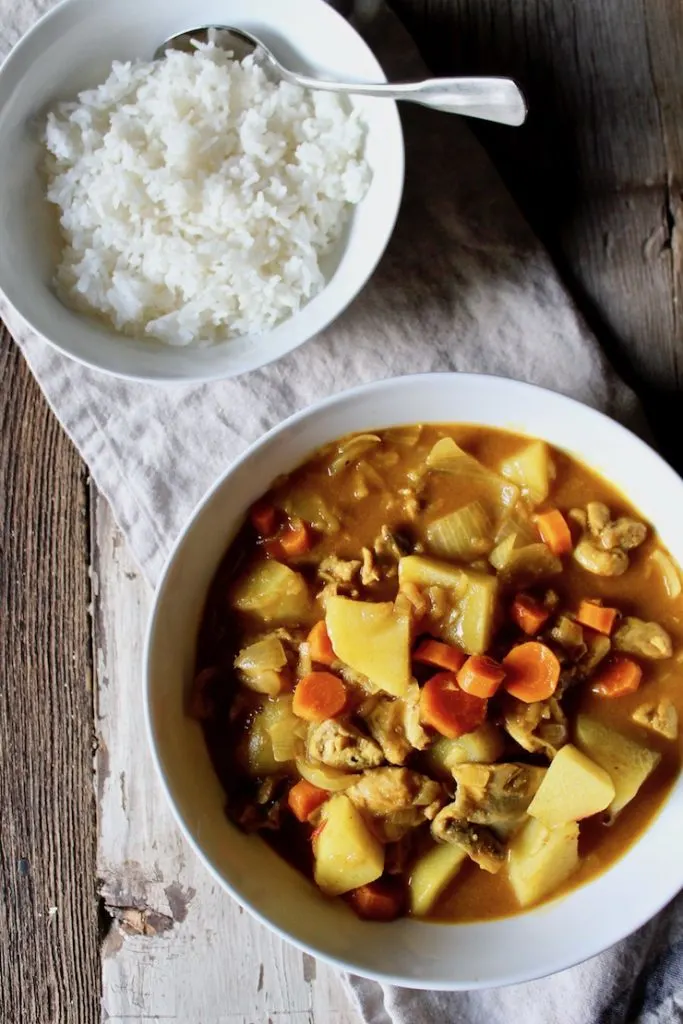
{"x": 617, "y": 677}
{"x": 528, "y": 614}
{"x": 320, "y": 644}
{"x": 448, "y": 709}
{"x": 304, "y": 798}
{"x": 263, "y": 518}
{"x": 480, "y": 676}
{"x": 553, "y": 529}
{"x": 532, "y": 672}
{"x": 434, "y": 652}
{"x": 378, "y": 901}
{"x": 295, "y": 539}
{"x": 597, "y": 616}
{"x": 318, "y": 696}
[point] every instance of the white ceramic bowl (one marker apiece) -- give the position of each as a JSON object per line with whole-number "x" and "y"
{"x": 406, "y": 952}
{"x": 72, "y": 48}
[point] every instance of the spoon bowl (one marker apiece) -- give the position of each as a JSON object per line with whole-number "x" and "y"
{"x": 490, "y": 99}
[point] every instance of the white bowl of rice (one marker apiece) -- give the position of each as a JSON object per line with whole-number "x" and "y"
{"x": 189, "y": 219}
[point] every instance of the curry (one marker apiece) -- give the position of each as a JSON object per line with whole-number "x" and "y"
{"x": 438, "y": 670}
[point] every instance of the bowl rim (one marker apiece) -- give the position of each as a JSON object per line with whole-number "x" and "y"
{"x": 501, "y": 978}
{"x": 21, "y": 309}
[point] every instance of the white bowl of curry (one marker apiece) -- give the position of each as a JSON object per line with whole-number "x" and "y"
{"x": 413, "y": 681}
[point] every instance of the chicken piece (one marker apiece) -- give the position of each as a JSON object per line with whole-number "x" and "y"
{"x": 648, "y": 639}
{"x": 568, "y": 634}
{"x": 597, "y": 517}
{"x": 661, "y": 718}
{"x": 540, "y": 728}
{"x": 593, "y": 558}
{"x": 395, "y": 724}
{"x": 623, "y": 533}
{"x": 369, "y": 573}
{"x": 479, "y": 842}
{"x": 338, "y": 570}
{"x": 409, "y": 502}
{"x": 578, "y": 516}
{"x": 495, "y": 794}
{"x": 342, "y": 746}
{"x": 396, "y": 800}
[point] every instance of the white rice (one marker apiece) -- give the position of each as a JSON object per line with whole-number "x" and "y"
{"x": 197, "y": 197}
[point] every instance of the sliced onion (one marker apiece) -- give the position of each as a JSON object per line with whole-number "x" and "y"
{"x": 531, "y": 564}
{"x": 267, "y": 655}
{"x": 350, "y": 450}
{"x": 502, "y": 553}
{"x": 324, "y": 777}
{"x": 448, "y": 457}
{"x": 517, "y": 522}
{"x": 670, "y": 574}
{"x": 287, "y": 740}
{"x": 306, "y": 505}
{"x": 462, "y": 535}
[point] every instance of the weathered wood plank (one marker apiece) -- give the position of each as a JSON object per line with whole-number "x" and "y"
{"x": 49, "y": 956}
{"x": 597, "y": 169}
{"x": 178, "y": 947}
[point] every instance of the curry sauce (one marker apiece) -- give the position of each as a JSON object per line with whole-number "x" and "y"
{"x": 348, "y": 528}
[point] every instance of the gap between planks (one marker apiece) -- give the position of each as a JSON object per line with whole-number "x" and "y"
{"x": 178, "y": 947}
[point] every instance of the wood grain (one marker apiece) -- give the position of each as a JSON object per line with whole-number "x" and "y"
{"x": 49, "y": 961}
{"x": 597, "y": 168}
{"x": 178, "y": 947}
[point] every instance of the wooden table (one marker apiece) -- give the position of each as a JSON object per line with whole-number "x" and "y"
{"x": 98, "y": 923}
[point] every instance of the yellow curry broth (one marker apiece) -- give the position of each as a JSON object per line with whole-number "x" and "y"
{"x": 475, "y": 894}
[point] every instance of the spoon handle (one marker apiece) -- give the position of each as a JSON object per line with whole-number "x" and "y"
{"x": 491, "y": 99}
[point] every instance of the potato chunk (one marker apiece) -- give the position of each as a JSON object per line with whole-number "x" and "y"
{"x": 346, "y": 853}
{"x": 541, "y": 859}
{"x": 574, "y": 787}
{"x": 476, "y": 612}
{"x": 431, "y": 572}
{"x": 483, "y": 745}
{"x": 531, "y": 469}
{"x": 372, "y": 639}
{"x": 627, "y": 762}
{"x": 431, "y": 874}
{"x": 273, "y": 593}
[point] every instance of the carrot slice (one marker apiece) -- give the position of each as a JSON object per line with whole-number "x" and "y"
{"x": 378, "y": 901}
{"x": 448, "y": 709}
{"x": 320, "y": 644}
{"x": 617, "y": 677}
{"x": 553, "y": 529}
{"x": 434, "y": 652}
{"x": 263, "y": 518}
{"x": 318, "y": 696}
{"x": 530, "y": 615}
{"x": 532, "y": 672}
{"x": 296, "y": 539}
{"x": 597, "y": 616}
{"x": 480, "y": 676}
{"x": 304, "y": 798}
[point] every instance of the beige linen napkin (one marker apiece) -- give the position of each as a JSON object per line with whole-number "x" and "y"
{"x": 464, "y": 285}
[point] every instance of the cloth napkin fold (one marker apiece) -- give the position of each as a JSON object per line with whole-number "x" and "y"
{"x": 464, "y": 285}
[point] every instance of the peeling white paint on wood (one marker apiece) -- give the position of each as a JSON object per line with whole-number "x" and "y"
{"x": 179, "y": 947}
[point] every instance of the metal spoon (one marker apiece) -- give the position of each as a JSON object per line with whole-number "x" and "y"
{"x": 492, "y": 99}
